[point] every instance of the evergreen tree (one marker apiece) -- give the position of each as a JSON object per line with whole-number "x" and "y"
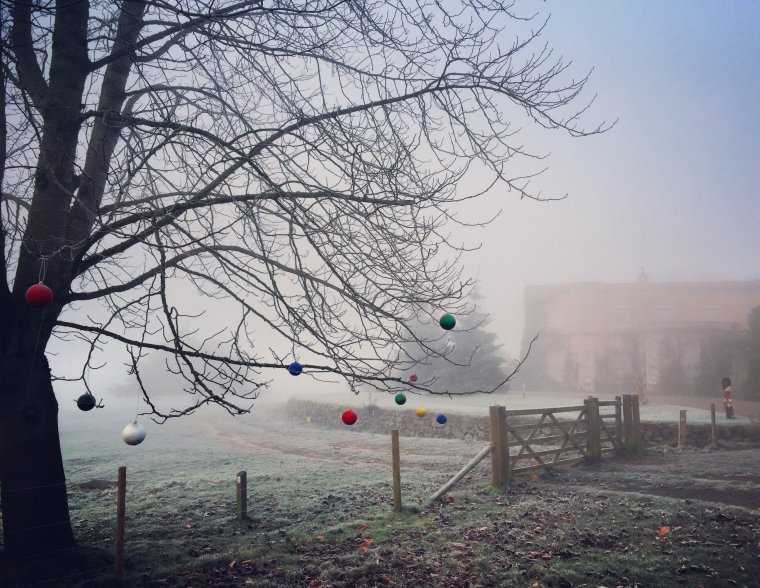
{"x": 467, "y": 358}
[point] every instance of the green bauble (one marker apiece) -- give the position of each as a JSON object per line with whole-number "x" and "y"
{"x": 400, "y": 399}
{"x": 447, "y": 322}
{"x": 86, "y": 402}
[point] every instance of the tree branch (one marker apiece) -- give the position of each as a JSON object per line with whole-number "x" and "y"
{"x": 30, "y": 74}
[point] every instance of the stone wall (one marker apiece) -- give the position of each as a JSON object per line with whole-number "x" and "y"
{"x": 373, "y": 419}
{"x": 698, "y": 435}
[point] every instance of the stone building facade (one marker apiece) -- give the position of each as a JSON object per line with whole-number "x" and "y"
{"x": 676, "y": 337}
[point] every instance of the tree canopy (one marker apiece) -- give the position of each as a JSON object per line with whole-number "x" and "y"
{"x": 299, "y": 162}
{"x": 297, "y": 159}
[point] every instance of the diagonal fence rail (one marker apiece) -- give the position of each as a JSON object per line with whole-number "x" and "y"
{"x": 537, "y": 438}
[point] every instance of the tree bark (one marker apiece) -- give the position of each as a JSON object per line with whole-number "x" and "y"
{"x": 60, "y": 103}
{"x": 32, "y": 481}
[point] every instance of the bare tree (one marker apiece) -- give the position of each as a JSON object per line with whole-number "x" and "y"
{"x": 299, "y": 160}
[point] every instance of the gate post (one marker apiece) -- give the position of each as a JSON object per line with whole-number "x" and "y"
{"x": 593, "y": 432}
{"x": 628, "y": 440}
{"x": 636, "y": 422}
{"x": 500, "y": 470}
{"x": 618, "y": 424}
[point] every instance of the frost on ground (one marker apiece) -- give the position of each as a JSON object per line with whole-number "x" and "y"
{"x": 320, "y": 502}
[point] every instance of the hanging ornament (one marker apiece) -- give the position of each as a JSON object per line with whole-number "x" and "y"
{"x": 400, "y": 398}
{"x": 38, "y": 295}
{"x": 413, "y": 378}
{"x": 447, "y": 322}
{"x": 133, "y": 433}
{"x": 295, "y": 369}
{"x": 441, "y": 418}
{"x": 420, "y": 412}
{"x": 86, "y": 402}
{"x": 349, "y": 417}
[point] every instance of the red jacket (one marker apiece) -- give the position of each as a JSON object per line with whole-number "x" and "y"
{"x": 726, "y": 399}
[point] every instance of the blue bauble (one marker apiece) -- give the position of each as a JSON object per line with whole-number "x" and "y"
{"x": 441, "y": 418}
{"x": 295, "y": 369}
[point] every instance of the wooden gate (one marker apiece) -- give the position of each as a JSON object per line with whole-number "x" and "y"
{"x": 549, "y": 437}
{"x": 543, "y": 439}
{"x": 547, "y": 441}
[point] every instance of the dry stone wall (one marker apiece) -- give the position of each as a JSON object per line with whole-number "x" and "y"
{"x": 373, "y": 419}
{"x": 698, "y": 435}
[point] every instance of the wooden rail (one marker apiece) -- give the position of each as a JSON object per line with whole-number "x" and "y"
{"x": 461, "y": 473}
{"x": 587, "y": 435}
{"x": 591, "y": 432}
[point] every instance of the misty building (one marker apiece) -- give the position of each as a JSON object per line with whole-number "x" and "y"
{"x": 678, "y": 337}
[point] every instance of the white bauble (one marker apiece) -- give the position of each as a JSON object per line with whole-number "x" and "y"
{"x": 133, "y": 433}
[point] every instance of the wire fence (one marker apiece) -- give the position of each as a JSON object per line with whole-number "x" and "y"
{"x": 26, "y": 571}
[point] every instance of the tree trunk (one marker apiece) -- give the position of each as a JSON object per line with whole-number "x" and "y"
{"x": 32, "y": 482}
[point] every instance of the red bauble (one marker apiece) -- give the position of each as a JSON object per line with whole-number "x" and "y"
{"x": 413, "y": 378}
{"x": 38, "y": 295}
{"x": 349, "y": 417}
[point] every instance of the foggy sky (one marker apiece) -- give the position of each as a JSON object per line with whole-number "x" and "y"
{"x": 672, "y": 187}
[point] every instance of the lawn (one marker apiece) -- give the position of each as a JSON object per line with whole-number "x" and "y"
{"x": 320, "y": 505}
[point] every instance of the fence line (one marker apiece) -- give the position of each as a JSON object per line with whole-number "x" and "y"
{"x": 117, "y": 568}
{"x": 587, "y": 437}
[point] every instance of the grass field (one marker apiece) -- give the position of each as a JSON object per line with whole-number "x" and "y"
{"x": 320, "y": 512}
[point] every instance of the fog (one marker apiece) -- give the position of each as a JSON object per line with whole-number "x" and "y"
{"x": 670, "y": 188}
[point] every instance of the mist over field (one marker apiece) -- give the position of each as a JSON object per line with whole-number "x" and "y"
{"x": 274, "y": 201}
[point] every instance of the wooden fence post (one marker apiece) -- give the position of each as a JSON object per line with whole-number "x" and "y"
{"x": 396, "y": 471}
{"x": 627, "y": 423}
{"x": 505, "y": 435}
{"x": 500, "y": 453}
{"x": 593, "y": 432}
{"x": 121, "y": 494}
{"x": 242, "y": 496}
{"x": 713, "y": 439}
{"x": 682, "y": 429}
{"x": 618, "y": 424}
{"x": 636, "y": 421}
